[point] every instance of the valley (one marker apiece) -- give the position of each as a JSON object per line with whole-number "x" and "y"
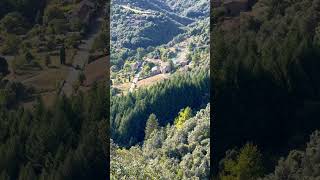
{"x": 145, "y": 53}
{"x": 160, "y": 82}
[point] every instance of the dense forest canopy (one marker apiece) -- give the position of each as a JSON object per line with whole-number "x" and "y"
{"x": 64, "y": 142}
{"x": 67, "y": 140}
{"x": 28, "y": 8}
{"x": 162, "y": 53}
{"x": 266, "y": 76}
{"x": 129, "y": 113}
{"x": 185, "y": 8}
{"x": 147, "y": 24}
{"x": 170, "y": 152}
{"x": 149, "y": 30}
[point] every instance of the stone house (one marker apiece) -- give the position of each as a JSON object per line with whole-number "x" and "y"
{"x": 135, "y": 65}
{"x": 165, "y": 67}
{"x": 155, "y": 70}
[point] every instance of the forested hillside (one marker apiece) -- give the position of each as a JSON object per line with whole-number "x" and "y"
{"x": 56, "y": 138}
{"x": 64, "y": 142}
{"x": 186, "y": 9}
{"x": 189, "y": 8}
{"x": 178, "y": 151}
{"x": 160, "y": 56}
{"x": 151, "y": 29}
{"x": 299, "y": 164}
{"x": 146, "y": 24}
{"x": 129, "y": 113}
{"x": 266, "y": 78}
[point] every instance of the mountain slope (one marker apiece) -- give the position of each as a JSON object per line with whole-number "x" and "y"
{"x": 189, "y": 8}
{"x": 131, "y": 29}
{"x": 142, "y": 23}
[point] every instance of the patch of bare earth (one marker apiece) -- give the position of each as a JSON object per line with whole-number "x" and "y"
{"x": 96, "y": 71}
{"x": 152, "y": 80}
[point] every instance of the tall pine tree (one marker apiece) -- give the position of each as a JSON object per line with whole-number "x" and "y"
{"x": 152, "y": 124}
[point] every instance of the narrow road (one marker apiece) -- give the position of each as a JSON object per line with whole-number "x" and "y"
{"x": 136, "y": 78}
{"x": 82, "y": 56}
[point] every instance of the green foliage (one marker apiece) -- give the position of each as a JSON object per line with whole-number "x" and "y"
{"x": 157, "y": 28}
{"x": 100, "y": 42}
{"x": 183, "y": 116}
{"x": 27, "y": 173}
{"x": 151, "y": 126}
{"x": 11, "y": 94}
{"x": 266, "y": 76}
{"x": 28, "y": 57}
{"x": 77, "y": 25}
{"x": 9, "y": 45}
{"x": 58, "y": 26}
{"x": 190, "y": 8}
{"x": 299, "y": 164}
{"x": 243, "y": 165}
{"x": 47, "y": 60}
{"x": 13, "y": 23}
{"x": 28, "y": 8}
{"x": 129, "y": 113}
{"x": 53, "y": 12}
{"x": 168, "y": 153}
{"x": 3, "y": 67}
{"x": 73, "y": 41}
{"x": 82, "y": 78}
{"x": 66, "y": 141}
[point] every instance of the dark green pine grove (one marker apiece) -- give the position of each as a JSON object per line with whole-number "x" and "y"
{"x": 129, "y": 113}
{"x": 266, "y": 79}
{"x": 68, "y": 141}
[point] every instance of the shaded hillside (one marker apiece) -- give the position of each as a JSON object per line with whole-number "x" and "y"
{"x": 28, "y": 8}
{"x": 266, "y": 76}
{"x": 130, "y": 112}
{"x": 300, "y": 164}
{"x": 67, "y": 139}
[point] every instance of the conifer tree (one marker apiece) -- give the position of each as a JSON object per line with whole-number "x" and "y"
{"x": 152, "y": 124}
{"x": 243, "y": 165}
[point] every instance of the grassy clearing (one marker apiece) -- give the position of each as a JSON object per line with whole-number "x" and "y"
{"x": 47, "y": 79}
